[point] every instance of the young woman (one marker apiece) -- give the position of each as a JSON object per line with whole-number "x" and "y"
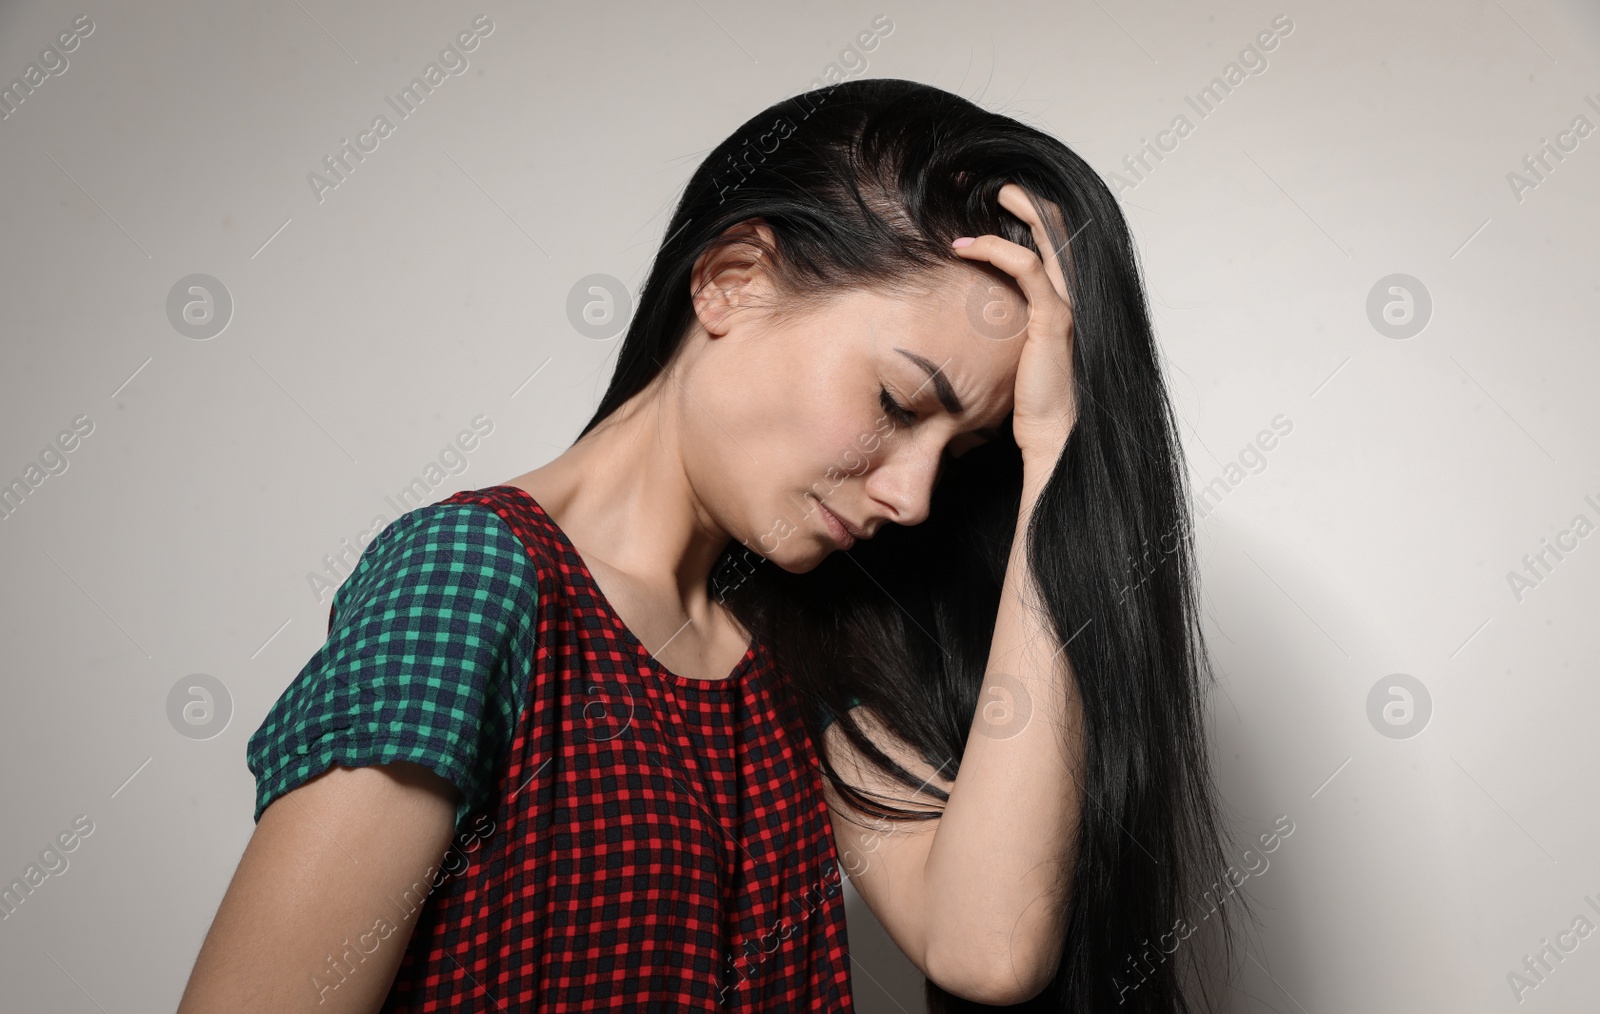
{"x": 874, "y": 558}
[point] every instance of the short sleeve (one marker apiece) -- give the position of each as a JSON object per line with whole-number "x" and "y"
{"x": 429, "y": 647}
{"x": 827, "y": 712}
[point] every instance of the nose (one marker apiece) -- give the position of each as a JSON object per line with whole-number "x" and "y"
{"x": 906, "y": 479}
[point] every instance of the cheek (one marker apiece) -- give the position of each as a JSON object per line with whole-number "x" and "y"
{"x": 813, "y": 423}
{"x": 825, "y": 434}
{"x": 855, "y": 442}
{"x": 859, "y": 450}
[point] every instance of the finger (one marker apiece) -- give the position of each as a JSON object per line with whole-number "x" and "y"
{"x": 1031, "y": 210}
{"x": 1044, "y": 301}
{"x": 1028, "y": 208}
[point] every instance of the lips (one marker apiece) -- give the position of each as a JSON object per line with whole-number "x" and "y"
{"x": 852, "y": 529}
{"x": 844, "y": 533}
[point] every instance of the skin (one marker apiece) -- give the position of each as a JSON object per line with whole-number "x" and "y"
{"x": 977, "y": 898}
{"x": 749, "y": 420}
{"x": 318, "y": 871}
{"x": 736, "y": 437}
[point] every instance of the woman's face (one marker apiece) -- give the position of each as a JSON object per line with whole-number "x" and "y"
{"x": 854, "y": 405}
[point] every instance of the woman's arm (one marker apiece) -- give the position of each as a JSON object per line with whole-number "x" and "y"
{"x": 998, "y": 872}
{"x": 970, "y": 897}
{"x": 980, "y": 901}
{"x": 884, "y": 859}
{"x": 994, "y": 882}
{"x": 328, "y": 861}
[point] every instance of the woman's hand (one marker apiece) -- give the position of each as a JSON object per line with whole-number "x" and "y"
{"x": 1045, "y": 406}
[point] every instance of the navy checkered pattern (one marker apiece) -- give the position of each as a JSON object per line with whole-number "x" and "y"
{"x": 653, "y": 843}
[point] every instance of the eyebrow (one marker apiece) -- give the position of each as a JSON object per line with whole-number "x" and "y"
{"x": 945, "y": 393}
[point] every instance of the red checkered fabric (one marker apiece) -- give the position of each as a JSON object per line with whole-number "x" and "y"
{"x": 651, "y": 842}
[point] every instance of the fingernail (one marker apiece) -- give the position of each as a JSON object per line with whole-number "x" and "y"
{"x": 963, "y": 241}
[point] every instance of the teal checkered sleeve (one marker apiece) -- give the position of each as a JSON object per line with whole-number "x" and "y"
{"x": 429, "y": 649}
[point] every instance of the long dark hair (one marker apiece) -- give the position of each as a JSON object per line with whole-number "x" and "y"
{"x": 866, "y": 183}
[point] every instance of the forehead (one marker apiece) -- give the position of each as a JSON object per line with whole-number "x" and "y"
{"x": 967, "y": 318}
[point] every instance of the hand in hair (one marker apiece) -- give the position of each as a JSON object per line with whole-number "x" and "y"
{"x": 1045, "y": 408}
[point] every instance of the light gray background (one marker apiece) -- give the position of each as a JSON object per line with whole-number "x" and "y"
{"x": 430, "y": 287}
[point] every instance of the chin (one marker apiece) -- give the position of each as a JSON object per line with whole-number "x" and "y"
{"x": 810, "y": 563}
{"x": 798, "y": 563}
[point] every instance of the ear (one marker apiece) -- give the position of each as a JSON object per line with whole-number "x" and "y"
{"x": 715, "y": 302}
{"x": 732, "y": 276}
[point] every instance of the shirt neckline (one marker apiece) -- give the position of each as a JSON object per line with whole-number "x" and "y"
{"x": 744, "y": 666}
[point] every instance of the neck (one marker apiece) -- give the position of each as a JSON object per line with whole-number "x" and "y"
{"x": 622, "y": 496}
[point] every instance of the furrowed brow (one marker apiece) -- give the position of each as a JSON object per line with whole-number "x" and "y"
{"x": 944, "y": 392}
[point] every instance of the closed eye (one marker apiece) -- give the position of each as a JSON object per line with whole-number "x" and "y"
{"x": 895, "y": 410}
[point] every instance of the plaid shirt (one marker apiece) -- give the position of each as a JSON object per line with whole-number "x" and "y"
{"x": 639, "y": 840}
